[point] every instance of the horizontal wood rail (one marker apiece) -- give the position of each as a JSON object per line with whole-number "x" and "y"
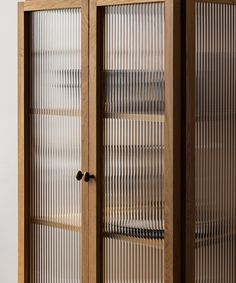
{"x": 230, "y": 2}
{"x": 127, "y": 2}
{"x": 40, "y": 5}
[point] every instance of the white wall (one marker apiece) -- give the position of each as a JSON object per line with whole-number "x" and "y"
{"x": 8, "y": 141}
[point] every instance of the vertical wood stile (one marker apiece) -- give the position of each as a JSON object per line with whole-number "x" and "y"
{"x": 188, "y": 140}
{"x": 172, "y": 157}
{"x": 95, "y": 142}
{"x": 84, "y": 131}
{"x": 22, "y": 193}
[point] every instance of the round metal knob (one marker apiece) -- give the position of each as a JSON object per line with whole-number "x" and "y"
{"x": 88, "y": 176}
{"x": 79, "y": 175}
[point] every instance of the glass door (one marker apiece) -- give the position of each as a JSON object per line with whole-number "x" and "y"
{"x": 55, "y": 146}
{"x": 133, "y": 143}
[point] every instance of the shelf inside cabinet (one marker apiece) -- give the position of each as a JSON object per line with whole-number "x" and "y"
{"x": 56, "y": 112}
{"x": 146, "y": 242}
{"x": 137, "y": 117}
{"x": 136, "y": 232}
{"x": 61, "y": 222}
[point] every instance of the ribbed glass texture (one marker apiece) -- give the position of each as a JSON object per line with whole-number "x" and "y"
{"x": 215, "y": 254}
{"x": 55, "y": 147}
{"x": 133, "y": 140}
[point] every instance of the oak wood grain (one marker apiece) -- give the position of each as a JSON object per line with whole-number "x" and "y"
{"x": 23, "y": 147}
{"x": 21, "y": 256}
{"x": 95, "y": 139}
{"x": 40, "y": 5}
{"x": 188, "y": 141}
{"x": 126, "y": 2}
{"x": 85, "y": 141}
{"x": 172, "y": 136}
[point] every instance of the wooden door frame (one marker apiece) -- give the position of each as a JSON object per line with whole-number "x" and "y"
{"x": 24, "y": 9}
{"x": 173, "y": 193}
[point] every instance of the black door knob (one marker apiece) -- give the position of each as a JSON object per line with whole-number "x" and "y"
{"x": 79, "y": 175}
{"x": 88, "y": 176}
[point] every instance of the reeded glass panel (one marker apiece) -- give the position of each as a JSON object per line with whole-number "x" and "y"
{"x": 55, "y": 105}
{"x": 133, "y": 140}
{"x": 215, "y": 254}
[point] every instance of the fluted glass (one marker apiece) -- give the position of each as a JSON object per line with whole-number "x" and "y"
{"x": 215, "y": 253}
{"x": 133, "y": 141}
{"x": 55, "y": 147}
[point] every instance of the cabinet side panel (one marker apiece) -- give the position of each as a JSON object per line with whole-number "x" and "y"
{"x": 215, "y": 150}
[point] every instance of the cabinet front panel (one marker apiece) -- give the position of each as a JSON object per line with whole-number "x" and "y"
{"x": 133, "y": 142}
{"x": 55, "y": 146}
{"x": 215, "y": 253}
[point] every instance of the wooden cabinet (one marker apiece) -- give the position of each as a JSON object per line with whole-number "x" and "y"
{"x": 127, "y": 141}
